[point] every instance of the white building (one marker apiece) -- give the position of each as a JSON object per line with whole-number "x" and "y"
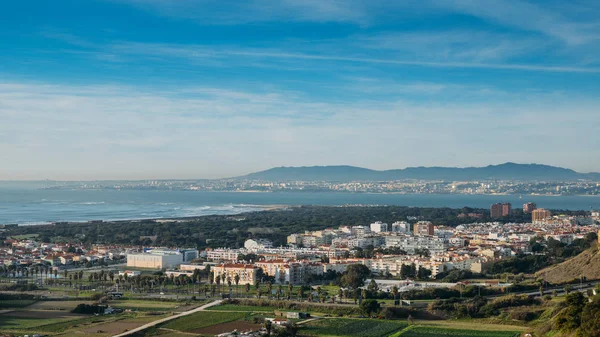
{"x": 360, "y": 230}
{"x": 254, "y": 245}
{"x": 379, "y": 227}
{"x": 408, "y": 243}
{"x": 401, "y": 227}
{"x": 155, "y": 259}
{"x": 222, "y": 254}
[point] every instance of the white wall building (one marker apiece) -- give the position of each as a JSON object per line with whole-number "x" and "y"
{"x": 254, "y": 245}
{"x": 401, "y": 227}
{"x": 155, "y": 259}
{"x": 379, "y": 227}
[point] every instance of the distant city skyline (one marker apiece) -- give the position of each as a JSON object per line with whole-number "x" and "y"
{"x": 153, "y": 89}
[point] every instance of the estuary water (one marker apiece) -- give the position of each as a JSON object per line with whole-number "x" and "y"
{"x": 30, "y": 205}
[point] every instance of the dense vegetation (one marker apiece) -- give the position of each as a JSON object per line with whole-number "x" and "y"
{"x": 84, "y": 308}
{"x": 232, "y": 231}
{"x": 427, "y": 331}
{"x": 551, "y": 252}
{"x": 352, "y": 327}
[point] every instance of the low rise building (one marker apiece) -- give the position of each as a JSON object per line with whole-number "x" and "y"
{"x": 155, "y": 259}
{"x": 246, "y": 272}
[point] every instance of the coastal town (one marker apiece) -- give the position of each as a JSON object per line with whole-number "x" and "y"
{"x": 466, "y": 187}
{"x": 407, "y": 249}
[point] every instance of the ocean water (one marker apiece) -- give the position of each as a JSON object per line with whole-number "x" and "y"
{"x": 26, "y": 204}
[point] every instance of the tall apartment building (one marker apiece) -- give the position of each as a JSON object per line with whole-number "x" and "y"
{"x": 423, "y": 228}
{"x": 529, "y": 207}
{"x": 500, "y": 210}
{"x": 378, "y": 227}
{"x": 400, "y": 227}
{"x": 540, "y": 215}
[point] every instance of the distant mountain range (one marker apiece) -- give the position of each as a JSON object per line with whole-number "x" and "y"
{"x": 506, "y": 171}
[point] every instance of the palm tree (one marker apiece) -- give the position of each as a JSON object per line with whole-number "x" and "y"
{"x": 218, "y": 281}
{"x": 269, "y": 288}
{"x": 236, "y": 279}
{"x": 247, "y": 289}
{"x": 341, "y": 295}
{"x": 268, "y": 327}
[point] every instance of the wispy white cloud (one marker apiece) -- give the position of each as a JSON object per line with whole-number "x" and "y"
{"x": 198, "y": 52}
{"x": 540, "y": 17}
{"x": 85, "y": 132}
{"x": 226, "y": 12}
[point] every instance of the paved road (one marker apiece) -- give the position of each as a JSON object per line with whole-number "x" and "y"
{"x": 166, "y": 319}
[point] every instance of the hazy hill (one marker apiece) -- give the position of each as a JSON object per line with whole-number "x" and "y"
{"x": 506, "y": 171}
{"x": 585, "y": 264}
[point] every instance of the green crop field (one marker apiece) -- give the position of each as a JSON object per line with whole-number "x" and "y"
{"x": 15, "y": 303}
{"x": 352, "y": 327}
{"x": 18, "y": 323}
{"x": 247, "y": 308}
{"x": 204, "y": 319}
{"x": 143, "y": 305}
{"x": 425, "y": 331}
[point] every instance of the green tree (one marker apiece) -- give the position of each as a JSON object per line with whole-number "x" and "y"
{"x": 369, "y": 307}
{"x": 355, "y": 276}
{"x": 569, "y": 319}
{"x": 590, "y": 320}
{"x": 373, "y": 288}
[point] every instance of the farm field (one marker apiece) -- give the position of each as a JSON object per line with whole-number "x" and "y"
{"x": 246, "y": 308}
{"x": 352, "y": 327}
{"x": 430, "y": 331}
{"x": 55, "y": 318}
{"x": 205, "y": 319}
{"x": 142, "y": 305}
{"x": 15, "y": 303}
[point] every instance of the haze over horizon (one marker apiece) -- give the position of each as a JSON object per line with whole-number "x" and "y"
{"x": 149, "y": 89}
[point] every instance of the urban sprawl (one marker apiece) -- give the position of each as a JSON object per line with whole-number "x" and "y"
{"x": 403, "y": 249}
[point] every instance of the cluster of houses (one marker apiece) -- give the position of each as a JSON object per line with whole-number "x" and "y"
{"x": 28, "y": 252}
{"x": 314, "y": 254}
{"x": 435, "y": 248}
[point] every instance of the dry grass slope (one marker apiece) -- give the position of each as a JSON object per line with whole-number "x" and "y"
{"x": 585, "y": 264}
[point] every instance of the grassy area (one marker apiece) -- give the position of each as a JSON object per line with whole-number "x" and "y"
{"x": 21, "y": 323}
{"x": 352, "y": 327}
{"x": 204, "y": 319}
{"x": 142, "y": 305}
{"x": 471, "y": 324}
{"x": 431, "y": 331}
{"x": 24, "y": 236}
{"x": 246, "y": 308}
{"x": 15, "y": 303}
{"x": 73, "y": 326}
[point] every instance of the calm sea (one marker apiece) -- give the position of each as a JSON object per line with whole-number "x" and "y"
{"x": 26, "y": 204}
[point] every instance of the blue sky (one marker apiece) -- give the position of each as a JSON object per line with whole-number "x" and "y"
{"x": 124, "y": 89}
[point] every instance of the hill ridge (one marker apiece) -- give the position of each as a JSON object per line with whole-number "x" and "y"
{"x": 505, "y": 171}
{"x": 586, "y": 264}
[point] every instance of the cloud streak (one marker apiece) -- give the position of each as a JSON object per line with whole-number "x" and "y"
{"x": 196, "y": 52}
{"x": 92, "y": 132}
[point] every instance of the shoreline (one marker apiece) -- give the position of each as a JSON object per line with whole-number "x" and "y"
{"x": 165, "y": 220}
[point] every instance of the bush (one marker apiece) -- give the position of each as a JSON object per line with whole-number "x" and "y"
{"x": 395, "y": 313}
{"x": 524, "y": 315}
{"x": 96, "y": 296}
{"x": 89, "y": 309}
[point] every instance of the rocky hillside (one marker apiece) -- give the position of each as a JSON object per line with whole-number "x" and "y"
{"x": 585, "y": 264}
